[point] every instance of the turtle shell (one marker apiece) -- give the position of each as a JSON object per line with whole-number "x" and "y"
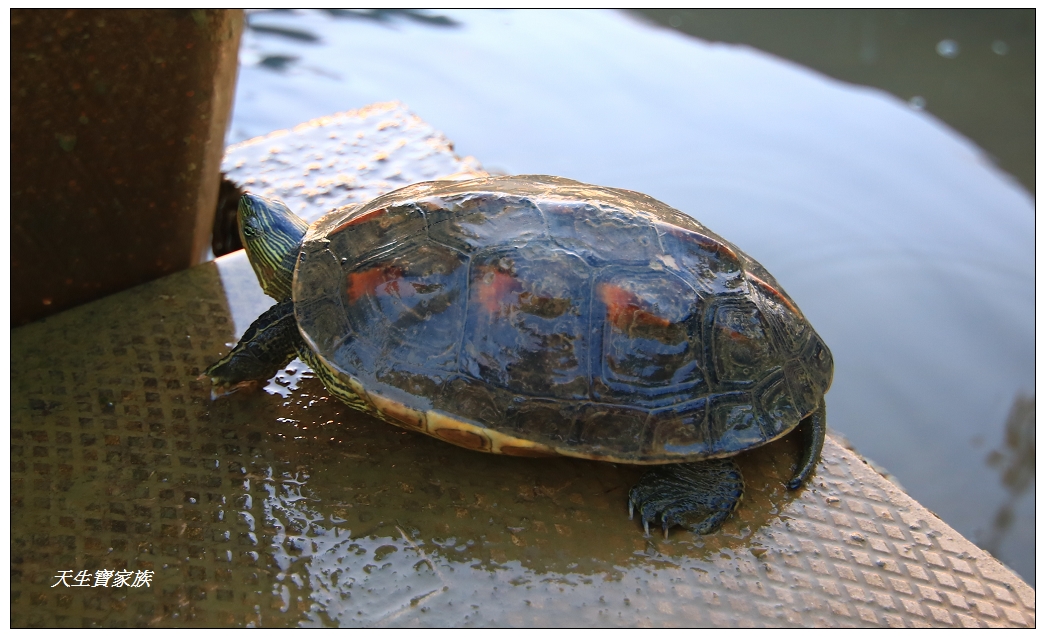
{"x": 535, "y": 315}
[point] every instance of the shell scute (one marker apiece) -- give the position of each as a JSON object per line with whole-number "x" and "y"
{"x": 735, "y": 423}
{"x": 404, "y": 305}
{"x": 602, "y": 234}
{"x": 551, "y": 422}
{"x": 473, "y": 223}
{"x": 617, "y": 431}
{"x": 682, "y": 429}
{"x": 527, "y": 325}
{"x": 649, "y": 323}
{"x": 776, "y": 404}
{"x": 738, "y": 334}
{"x": 715, "y": 267}
{"x": 413, "y": 382}
{"x": 473, "y": 399}
{"x": 403, "y": 415}
{"x": 369, "y": 230}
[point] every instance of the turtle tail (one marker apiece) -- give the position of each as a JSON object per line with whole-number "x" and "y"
{"x": 813, "y": 429}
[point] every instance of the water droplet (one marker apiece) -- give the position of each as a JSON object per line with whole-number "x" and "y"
{"x": 948, "y": 49}
{"x": 918, "y": 102}
{"x": 286, "y": 382}
{"x": 675, "y": 22}
{"x": 1000, "y": 48}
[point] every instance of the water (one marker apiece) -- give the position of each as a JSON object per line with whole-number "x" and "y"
{"x": 908, "y": 249}
{"x": 973, "y": 69}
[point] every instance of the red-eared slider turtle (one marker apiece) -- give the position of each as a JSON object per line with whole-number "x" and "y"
{"x": 539, "y": 316}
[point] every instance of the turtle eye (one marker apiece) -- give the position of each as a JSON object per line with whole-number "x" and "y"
{"x": 249, "y": 231}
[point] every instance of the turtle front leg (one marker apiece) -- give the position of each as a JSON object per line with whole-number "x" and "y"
{"x": 812, "y": 429}
{"x": 268, "y": 344}
{"x": 697, "y": 495}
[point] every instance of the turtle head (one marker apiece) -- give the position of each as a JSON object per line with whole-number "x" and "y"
{"x": 272, "y": 235}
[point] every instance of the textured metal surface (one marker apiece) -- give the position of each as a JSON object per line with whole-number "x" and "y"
{"x": 265, "y": 509}
{"x": 346, "y": 158}
{"x": 280, "y": 506}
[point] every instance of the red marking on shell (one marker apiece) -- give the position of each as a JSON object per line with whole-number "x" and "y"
{"x": 494, "y": 289}
{"x": 378, "y": 280}
{"x": 734, "y": 335}
{"x": 405, "y": 416}
{"x": 463, "y": 438}
{"x": 703, "y": 242}
{"x": 773, "y": 292}
{"x": 373, "y": 214}
{"x": 527, "y": 452}
{"x": 624, "y": 309}
{"x": 723, "y": 250}
{"x": 710, "y": 244}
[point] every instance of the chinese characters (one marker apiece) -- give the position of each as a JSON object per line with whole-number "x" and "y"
{"x": 104, "y": 578}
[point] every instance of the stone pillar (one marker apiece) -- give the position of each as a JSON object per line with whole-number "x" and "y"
{"x": 118, "y": 122}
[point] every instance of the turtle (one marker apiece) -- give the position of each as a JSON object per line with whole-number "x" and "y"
{"x": 538, "y": 316}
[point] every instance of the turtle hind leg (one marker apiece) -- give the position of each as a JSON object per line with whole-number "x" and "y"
{"x": 268, "y": 344}
{"x": 697, "y": 495}
{"x": 813, "y": 429}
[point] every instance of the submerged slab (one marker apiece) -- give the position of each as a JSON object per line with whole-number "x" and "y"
{"x": 280, "y": 506}
{"x": 346, "y": 158}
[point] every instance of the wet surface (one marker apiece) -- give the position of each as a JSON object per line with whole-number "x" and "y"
{"x": 909, "y": 251}
{"x": 345, "y": 158}
{"x": 279, "y": 506}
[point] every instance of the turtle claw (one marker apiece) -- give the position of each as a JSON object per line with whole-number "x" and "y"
{"x": 225, "y": 391}
{"x": 699, "y": 495}
{"x": 221, "y": 389}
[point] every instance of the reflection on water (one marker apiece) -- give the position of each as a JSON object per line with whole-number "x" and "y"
{"x": 910, "y": 252}
{"x": 389, "y": 15}
{"x": 366, "y": 530}
{"x": 1016, "y": 464}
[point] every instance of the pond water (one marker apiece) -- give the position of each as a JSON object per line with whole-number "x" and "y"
{"x": 908, "y": 249}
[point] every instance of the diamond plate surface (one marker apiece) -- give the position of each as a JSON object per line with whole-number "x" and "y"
{"x": 282, "y": 507}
